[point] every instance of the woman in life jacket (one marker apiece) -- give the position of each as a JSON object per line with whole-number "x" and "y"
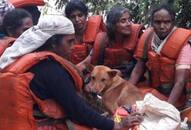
{"x": 14, "y": 24}
{"x": 165, "y": 52}
{"x": 86, "y": 29}
{"x": 30, "y": 6}
{"x": 38, "y": 72}
{"x": 115, "y": 48}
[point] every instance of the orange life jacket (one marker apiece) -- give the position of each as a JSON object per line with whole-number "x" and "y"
{"x": 5, "y": 42}
{"x": 80, "y": 51}
{"x": 162, "y": 67}
{"x": 21, "y": 3}
{"x": 17, "y": 99}
{"x": 118, "y": 53}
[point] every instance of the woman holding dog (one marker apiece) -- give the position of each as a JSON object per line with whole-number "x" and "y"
{"x": 38, "y": 72}
{"x": 115, "y": 48}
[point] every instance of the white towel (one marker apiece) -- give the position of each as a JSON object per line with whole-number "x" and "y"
{"x": 35, "y": 37}
{"x": 158, "y": 114}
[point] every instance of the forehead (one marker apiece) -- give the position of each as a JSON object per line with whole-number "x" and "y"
{"x": 69, "y": 37}
{"x": 100, "y": 70}
{"x": 161, "y": 15}
{"x": 76, "y": 12}
{"x": 125, "y": 15}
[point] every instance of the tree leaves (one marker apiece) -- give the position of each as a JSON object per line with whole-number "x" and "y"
{"x": 140, "y": 8}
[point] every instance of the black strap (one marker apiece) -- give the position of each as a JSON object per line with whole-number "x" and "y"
{"x": 102, "y": 45}
{"x": 189, "y": 42}
{"x": 50, "y": 121}
{"x": 165, "y": 88}
{"x": 39, "y": 115}
{"x": 147, "y": 45}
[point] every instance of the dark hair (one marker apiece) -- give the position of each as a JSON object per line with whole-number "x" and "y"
{"x": 112, "y": 18}
{"x": 169, "y": 9}
{"x": 54, "y": 40}
{"x": 75, "y": 5}
{"x": 13, "y": 20}
{"x": 33, "y": 10}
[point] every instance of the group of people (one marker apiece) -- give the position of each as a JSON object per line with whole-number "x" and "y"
{"x": 42, "y": 66}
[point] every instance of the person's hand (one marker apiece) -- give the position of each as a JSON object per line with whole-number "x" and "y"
{"x": 85, "y": 67}
{"x": 129, "y": 121}
{"x": 132, "y": 120}
{"x": 81, "y": 66}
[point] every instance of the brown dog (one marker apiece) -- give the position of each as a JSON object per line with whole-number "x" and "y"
{"x": 115, "y": 91}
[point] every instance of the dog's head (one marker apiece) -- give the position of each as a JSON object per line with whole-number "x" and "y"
{"x": 101, "y": 79}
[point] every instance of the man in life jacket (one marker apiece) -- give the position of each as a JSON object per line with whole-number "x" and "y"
{"x": 30, "y": 6}
{"x": 34, "y": 71}
{"x": 115, "y": 48}
{"x": 166, "y": 53}
{"x": 14, "y": 24}
{"x": 86, "y": 29}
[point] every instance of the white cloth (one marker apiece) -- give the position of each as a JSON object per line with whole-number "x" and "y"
{"x": 158, "y": 115}
{"x": 35, "y": 37}
{"x": 157, "y": 44}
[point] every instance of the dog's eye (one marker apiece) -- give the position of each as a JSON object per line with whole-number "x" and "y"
{"x": 103, "y": 80}
{"x": 92, "y": 77}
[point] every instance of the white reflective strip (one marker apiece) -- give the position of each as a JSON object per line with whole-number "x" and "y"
{"x": 178, "y": 66}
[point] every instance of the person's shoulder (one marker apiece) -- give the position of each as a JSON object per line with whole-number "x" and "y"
{"x": 102, "y": 34}
{"x": 95, "y": 17}
{"x": 102, "y": 37}
{"x": 184, "y": 57}
{"x": 46, "y": 65}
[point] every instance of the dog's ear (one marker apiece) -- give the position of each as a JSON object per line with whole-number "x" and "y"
{"x": 118, "y": 72}
{"x": 112, "y": 73}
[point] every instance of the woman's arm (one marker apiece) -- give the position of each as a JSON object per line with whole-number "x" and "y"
{"x": 137, "y": 72}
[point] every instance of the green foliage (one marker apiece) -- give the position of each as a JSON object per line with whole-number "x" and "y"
{"x": 140, "y": 9}
{"x": 60, "y": 3}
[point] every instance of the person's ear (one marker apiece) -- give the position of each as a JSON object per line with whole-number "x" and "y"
{"x": 9, "y": 31}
